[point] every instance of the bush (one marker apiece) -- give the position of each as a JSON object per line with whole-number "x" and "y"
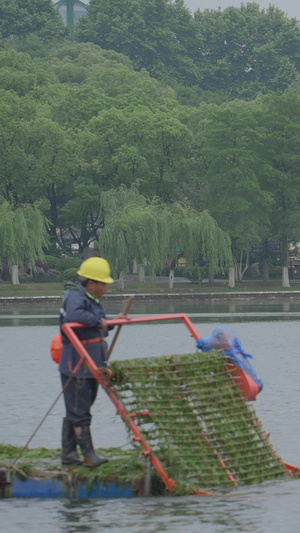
{"x": 51, "y": 261}
{"x": 65, "y": 263}
{"x": 43, "y": 279}
{"x": 70, "y": 274}
{"x": 178, "y": 272}
{"x": 193, "y": 273}
{"x": 62, "y": 263}
{"x": 275, "y": 272}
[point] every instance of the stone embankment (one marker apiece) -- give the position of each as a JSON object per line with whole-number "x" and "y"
{"x": 163, "y": 296}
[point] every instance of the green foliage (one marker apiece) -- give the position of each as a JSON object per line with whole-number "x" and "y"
{"x": 155, "y": 34}
{"x": 78, "y": 120}
{"x": 199, "y": 233}
{"x": 133, "y": 230}
{"x": 142, "y": 230}
{"x": 21, "y": 18}
{"x": 23, "y": 234}
{"x": 193, "y": 273}
{"x": 19, "y": 73}
{"x": 280, "y": 174}
{"x": 237, "y": 52}
{"x": 139, "y": 145}
{"x": 63, "y": 263}
{"x": 234, "y": 152}
{"x": 247, "y": 50}
{"x": 70, "y": 274}
{"x": 52, "y": 261}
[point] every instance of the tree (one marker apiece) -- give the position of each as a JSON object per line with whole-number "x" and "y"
{"x": 280, "y": 176}
{"x": 138, "y": 145}
{"x": 155, "y": 34}
{"x": 199, "y": 234}
{"x": 53, "y": 169}
{"x": 233, "y": 152}
{"x": 23, "y": 17}
{"x": 247, "y": 50}
{"x": 238, "y": 52}
{"x": 20, "y": 74}
{"x": 132, "y": 232}
{"x": 80, "y": 214}
{"x": 145, "y": 231}
{"x": 14, "y": 161}
{"x": 23, "y": 235}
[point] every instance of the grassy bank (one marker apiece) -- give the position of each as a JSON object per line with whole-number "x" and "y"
{"x": 160, "y": 285}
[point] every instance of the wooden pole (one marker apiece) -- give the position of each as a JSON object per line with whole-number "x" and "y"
{"x": 110, "y": 349}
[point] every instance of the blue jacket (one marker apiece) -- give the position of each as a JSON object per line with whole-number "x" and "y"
{"x": 79, "y": 307}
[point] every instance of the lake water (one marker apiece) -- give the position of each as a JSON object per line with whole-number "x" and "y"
{"x": 29, "y": 383}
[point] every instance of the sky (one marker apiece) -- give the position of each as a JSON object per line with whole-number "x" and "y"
{"x": 290, "y": 7}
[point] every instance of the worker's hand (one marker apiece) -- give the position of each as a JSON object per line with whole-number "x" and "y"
{"x": 102, "y": 324}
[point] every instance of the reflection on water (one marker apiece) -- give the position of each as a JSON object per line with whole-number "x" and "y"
{"x": 265, "y": 509}
{"x": 29, "y": 383}
{"x": 32, "y": 314}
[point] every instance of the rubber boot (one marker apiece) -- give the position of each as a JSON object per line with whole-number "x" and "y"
{"x": 84, "y": 440}
{"x": 69, "y": 455}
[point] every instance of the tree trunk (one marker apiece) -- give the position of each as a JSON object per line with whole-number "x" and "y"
{"x": 121, "y": 283}
{"x": 51, "y": 194}
{"x": 211, "y": 276}
{"x": 141, "y": 274}
{"x": 15, "y": 275}
{"x": 134, "y": 267}
{"x": 285, "y": 277}
{"x": 285, "y": 264}
{"x": 266, "y": 269}
{"x": 231, "y": 277}
{"x": 171, "y": 278}
{"x": 239, "y": 266}
{"x": 5, "y": 267}
{"x": 265, "y": 245}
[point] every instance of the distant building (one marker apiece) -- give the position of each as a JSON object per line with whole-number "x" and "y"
{"x": 71, "y": 10}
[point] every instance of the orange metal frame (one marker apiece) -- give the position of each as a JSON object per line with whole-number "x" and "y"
{"x": 103, "y": 377}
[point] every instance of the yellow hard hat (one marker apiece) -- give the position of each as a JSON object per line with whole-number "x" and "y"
{"x": 95, "y": 268}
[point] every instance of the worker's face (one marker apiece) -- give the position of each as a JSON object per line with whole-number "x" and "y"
{"x": 96, "y": 288}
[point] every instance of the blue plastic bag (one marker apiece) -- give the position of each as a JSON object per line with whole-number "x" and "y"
{"x": 226, "y": 340}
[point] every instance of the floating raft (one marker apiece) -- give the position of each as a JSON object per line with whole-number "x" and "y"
{"x": 190, "y": 420}
{"x": 39, "y": 474}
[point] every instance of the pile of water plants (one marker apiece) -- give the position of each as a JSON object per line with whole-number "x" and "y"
{"x": 196, "y": 421}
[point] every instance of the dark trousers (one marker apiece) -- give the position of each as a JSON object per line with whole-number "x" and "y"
{"x": 79, "y": 397}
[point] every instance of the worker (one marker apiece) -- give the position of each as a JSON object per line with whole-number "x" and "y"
{"x": 83, "y": 305}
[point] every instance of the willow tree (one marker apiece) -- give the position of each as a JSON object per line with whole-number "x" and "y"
{"x": 140, "y": 230}
{"x": 199, "y": 233}
{"x": 22, "y": 236}
{"x": 134, "y": 232}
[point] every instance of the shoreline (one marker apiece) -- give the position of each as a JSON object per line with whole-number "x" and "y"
{"x": 201, "y": 297}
